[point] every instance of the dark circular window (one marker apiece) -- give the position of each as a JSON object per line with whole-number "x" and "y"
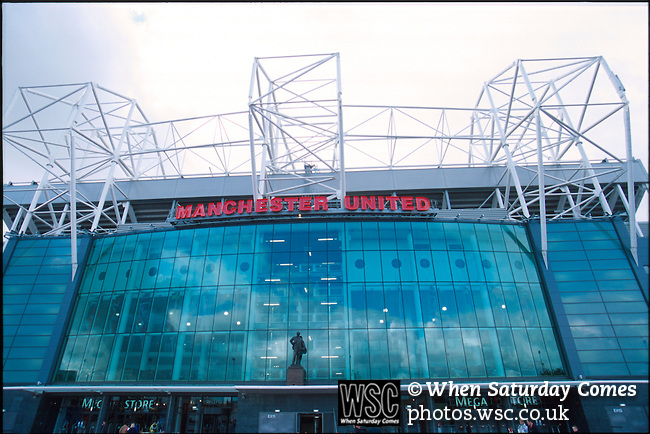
{"x": 460, "y": 263}
{"x": 519, "y": 265}
{"x": 359, "y": 263}
{"x": 184, "y": 269}
{"x": 102, "y": 275}
{"x": 425, "y": 263}
{"x": 486, "y": 263}
{"x": 153, "y": 271}
{"x": 209, "y": 268}
{"x": 396, "y": 263}
{"x": 244, "y": 266}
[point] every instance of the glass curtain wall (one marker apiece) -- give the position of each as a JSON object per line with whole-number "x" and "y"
{"x": 372, "y": 299}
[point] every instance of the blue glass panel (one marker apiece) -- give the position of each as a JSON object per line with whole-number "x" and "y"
{"x": 613, "y": 274}
{"x": 183, "y": 357}
{"x": 200, "y": 243}
{"x": 517, "y": 267}
{"x": 475, "y": 266}
{"x": 184, "y": 246}
{"x": 166, "y": 356}
{"x": 231, "y": 240}
{"x": 581, "y": 297}
{"x": 600, "y": 356}
{"x": 424, "y": 266}
{"x": 236, "y": 361}
{"x": 190, "y": 309}
{"x": 390, "y": 265}
{"x": 491, "y": 352}
{"x": 496, "y": 235}
{"x": 155, "y": 247}
{"x": 512, "y": 305}
{"x": 458, "y": 266}
{"x": 158, "y": 312}
{"x": 448, "y": 310}
{"x": 605, "y": 254}
{"x": 227, "y": 270}
{"x": 318, "y": 239}
{"x": 452, "y": 235}
{"x": 355, "y": 266}
{"x": 370, "y": 235}
{"x": 406, "y": 265}
{"x": 169, "y": 245}
{"x": 627, "y": 307}
{"x": 353, "y": 236}
{"x": 436, "y": 353}
{"x": 584, "y": 308}
{"x": 631, "y": 330}
{"x": 357, "y": 305}
{"x": 561, "y": 255}
{"x": 412, "y": 307}
{"x": 375, "y": 306}
{"x": 337, "y": 306}
{"x": 597, "y": 344}
{"x": 200, "y": 356}
{"x": 636, "y": 355}
{"x": 587, "y": 319}
{"x": 605, "y": 369}
{"x": 617, "y": 285}
{"x": 503, "y": 265}
{"x": 373, "y": 266}
{"x": 206, "y": 314}
{"x": 465, "y": 306}
{"x": 398, "y": 354}
{"x": 508, "y": 352}
{"x": 260, "y": 305}
{"x": 483, "y": 308}
{"x": 524, "y": 352}
{"x": 430, "y": 306}
{"x": 218, "y": 356}
{"x": 387, "y": 236}
{"x": 441, "y": 265}
{"x": 247, "y": 239}
{"x": 279, "y": 307}
{"x": 403, "y": 235}
{"x": 359, "y": 355}
{"x": 318, "y": 358}
{"x": 150, "y": 351}
{"x": 420, "y": 235}
{"x": 133, "y": 357}
{"x": 378, "y": 344}
{"x": 628, "y": 318}
{"x": 244, "y": 270}
{"x": 455, "y": 353}
{"x": 394, "y": 307}
{"x": 130, "y": 243}
{"x": 473, "y": 353}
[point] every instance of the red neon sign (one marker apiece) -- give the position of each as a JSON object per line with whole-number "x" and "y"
{"x": 304, "y": 204}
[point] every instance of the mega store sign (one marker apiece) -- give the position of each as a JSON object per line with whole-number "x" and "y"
{"x": 299, "y": 205}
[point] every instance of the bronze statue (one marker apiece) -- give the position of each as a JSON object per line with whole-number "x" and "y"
{"x": 299, "y": 348}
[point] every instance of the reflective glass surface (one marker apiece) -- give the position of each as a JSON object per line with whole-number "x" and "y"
{"x": 605, "y": 307}
{"x": 388, "y": 299}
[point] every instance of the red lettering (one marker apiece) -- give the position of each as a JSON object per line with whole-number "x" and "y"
{"x": 214, "y": 210}
{"x": 368, "y": 202}
{"x": 304, "y": 204}
{"x": 229, "y": 207}
{"x": 199, "y": 211}
{"x": 290, "y": 201}
{"x": 320, "y": 202}
{"x": 245, "y": 205}
{"x": 183, "y": 212}
{"x": 393, "y": 202}
{"x": 407, "y": 203}
{"x": 261, "y": 205}
{"x": 380, "y": 202}
{"x": 355, "y": 202}
{"x": 276, "y": 204}
{"x": 422, "y": 203}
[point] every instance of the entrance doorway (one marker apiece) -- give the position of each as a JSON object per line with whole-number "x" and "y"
{"x": 310, "y": 423}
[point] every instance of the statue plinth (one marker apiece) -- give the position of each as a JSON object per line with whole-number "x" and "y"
{"x": 295, "y": 375}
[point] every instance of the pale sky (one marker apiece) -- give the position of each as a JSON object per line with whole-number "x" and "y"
{"x": 183, "y": 59}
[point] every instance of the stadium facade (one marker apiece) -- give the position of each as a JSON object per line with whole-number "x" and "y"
{"x": 157, "y": 272}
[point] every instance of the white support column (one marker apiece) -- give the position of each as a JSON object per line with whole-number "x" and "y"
{"x": 341, "y": 133}
{"x": 542, "y": 195}
{"x": 73, "y": 205}
{"x": 510, "y": 162}
{"x": 34, "y": 204}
